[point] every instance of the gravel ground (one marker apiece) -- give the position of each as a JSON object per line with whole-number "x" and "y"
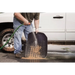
{"x": 8, "y": 59}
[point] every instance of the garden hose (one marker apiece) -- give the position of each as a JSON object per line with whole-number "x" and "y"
{"x": 11, "y": 35}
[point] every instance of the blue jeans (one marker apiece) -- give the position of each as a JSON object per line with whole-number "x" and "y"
{"x": 18, "y": 34}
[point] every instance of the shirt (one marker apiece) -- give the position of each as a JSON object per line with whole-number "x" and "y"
{"x": 30, "y": 16}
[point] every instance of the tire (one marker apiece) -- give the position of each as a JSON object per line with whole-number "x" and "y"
{"x": 4, "y": 36}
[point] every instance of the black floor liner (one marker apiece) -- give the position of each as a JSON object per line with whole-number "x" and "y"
{"x": 39, "y": 50}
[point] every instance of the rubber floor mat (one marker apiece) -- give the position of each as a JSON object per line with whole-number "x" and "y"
{"x": 34, "y": 50}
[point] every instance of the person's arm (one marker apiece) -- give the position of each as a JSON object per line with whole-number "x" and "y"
{"x": 36, "y": 22}
{"x": 21, "y": 18}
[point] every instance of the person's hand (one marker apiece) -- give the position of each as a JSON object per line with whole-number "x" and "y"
{"x": 26, "y": 22}
{"x": 36, "y": 30}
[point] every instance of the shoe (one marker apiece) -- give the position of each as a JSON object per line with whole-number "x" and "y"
{"x": 18, "y": 55}
{"x": 22, "y": 51}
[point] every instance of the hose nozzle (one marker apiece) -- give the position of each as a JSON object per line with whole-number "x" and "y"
{"x": 29, "y": 23}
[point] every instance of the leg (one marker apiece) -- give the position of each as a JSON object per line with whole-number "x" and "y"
{"x": 17, "y": 36}
{"x": 28, "y": 29}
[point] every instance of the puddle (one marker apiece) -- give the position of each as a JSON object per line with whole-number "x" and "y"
{"x": 50, "y": 60}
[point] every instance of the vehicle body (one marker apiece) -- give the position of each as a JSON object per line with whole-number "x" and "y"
{"x": 58, "y": 27}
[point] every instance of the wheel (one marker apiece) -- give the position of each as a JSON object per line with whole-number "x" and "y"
{"x": 4, "y": 36}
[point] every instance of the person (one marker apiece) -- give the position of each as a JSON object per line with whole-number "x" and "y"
{"x": 25, "y": 19}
